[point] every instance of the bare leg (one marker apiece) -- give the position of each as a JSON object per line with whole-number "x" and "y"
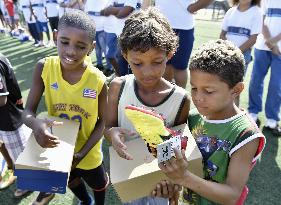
{"x": 181, "y": 77}
{"x": 169, "y": 73}
{"x": 6, "y": 156}
{"x": 114, "y": 64}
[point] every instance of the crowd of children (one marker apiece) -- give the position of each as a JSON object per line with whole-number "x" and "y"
{"x": 142, "y": 42}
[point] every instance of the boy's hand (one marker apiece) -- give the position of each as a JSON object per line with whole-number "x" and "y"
{"x": 43, "y": 137}
{"x": 118, "y": 136}
{"x": 166, "y": 189}
{"x": 77, "y": 157}
{"x": 176, "y": 168}
{"x": 276, "y": 51}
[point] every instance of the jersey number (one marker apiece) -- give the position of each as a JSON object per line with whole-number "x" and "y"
{"x": 76, "y": 118}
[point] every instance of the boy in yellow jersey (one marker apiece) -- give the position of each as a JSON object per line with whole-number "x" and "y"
{"x": 74, "y": 90}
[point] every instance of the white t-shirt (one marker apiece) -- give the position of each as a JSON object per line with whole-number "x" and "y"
{"x": 52, "y": 7}
{"x": 39, "y": 10}
{"x": 113, "y": 24}
{"x": 176, "y": 13}
{"x": 93, "y": 8}
{"x": 271, "y": 9}
{"x": 62, "y": 10}
{"x": 241, "y": 25}
{"x": 24, "y": 7}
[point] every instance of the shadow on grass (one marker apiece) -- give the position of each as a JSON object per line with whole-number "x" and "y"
{"x": 265, "y": 180}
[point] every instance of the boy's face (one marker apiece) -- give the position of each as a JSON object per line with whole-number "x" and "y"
{"x": 212, "y": 97}
{"x": 73, "y": 46}
{"x": 148, "y": 67}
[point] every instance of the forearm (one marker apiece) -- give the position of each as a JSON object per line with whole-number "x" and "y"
{"x": 223, "y": 35}
{"x": 266, "y": 32}
{"x": 276, "y": 38}
{"x": 219, "y": 193}
{"x": 249, "y": 43}
{"x": 29, "y": 119}
{"x": 200, "y": 4}
{"x": 94, "y": 138}
{"x": 106, "y": 133}
{"x": 110, "y": 11}
{"x": 124, "y": 12}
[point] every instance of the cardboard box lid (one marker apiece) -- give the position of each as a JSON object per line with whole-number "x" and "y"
{"x": 51, "y": 159}
{"x": 136, "y": 178}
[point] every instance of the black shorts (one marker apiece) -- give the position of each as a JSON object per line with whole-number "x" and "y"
{"x": 1, "y": 13}
{"x": 96, "y": 178}
{"x": 54, "y": 22}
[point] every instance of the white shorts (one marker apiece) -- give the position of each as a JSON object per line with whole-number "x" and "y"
{"x": 15, "y": 141}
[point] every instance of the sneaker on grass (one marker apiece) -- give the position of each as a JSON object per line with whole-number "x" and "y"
{"x": 8, "y": 178}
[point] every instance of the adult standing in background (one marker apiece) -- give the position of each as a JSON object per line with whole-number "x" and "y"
{"x": 52, "y": 13}
{"x": 180, "y": 15}
{"x": 267, "y": 55}
{"x": 93, "y": 8}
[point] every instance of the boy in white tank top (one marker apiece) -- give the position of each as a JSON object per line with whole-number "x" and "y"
{"x": 147, "y": 43}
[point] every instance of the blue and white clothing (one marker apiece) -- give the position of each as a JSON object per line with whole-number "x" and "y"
{"x": 271, "y": 9}
{"x": 39, "y": 10}
{"x": 24, "y": 7}
{"x": 52, "y": 7}
{"x": 113, "y": 24}
{"x": 239, "y": 26}
{"x": 93, "y": 8}
{"x": 176, "y": 13}
{"x": 264, "y": 60}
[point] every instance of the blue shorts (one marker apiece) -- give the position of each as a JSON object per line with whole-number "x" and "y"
{"x": 123, "y": 65}
{"x": 111, "y": 45}
{"x": 186, "y": 38}
{"x": 42, "y": 26}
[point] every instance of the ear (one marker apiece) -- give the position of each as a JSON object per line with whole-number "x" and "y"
{"x": 170, "y": 55}
{"x": 237, "y": 89}
{"x": 92, "y": 47}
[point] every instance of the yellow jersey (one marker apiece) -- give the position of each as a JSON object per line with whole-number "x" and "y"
{"x": 77, "y": 102}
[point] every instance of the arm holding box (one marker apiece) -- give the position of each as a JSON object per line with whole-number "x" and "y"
{"x": 43, "y": 137}
{"x": 227, "y": 193}
{"x": 114, "y": 134}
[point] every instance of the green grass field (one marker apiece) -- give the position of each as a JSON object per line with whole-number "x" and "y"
{"x": 265, "y": 179}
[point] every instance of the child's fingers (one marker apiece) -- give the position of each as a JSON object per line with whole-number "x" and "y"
{"x": 125, "y": 155}
{"x": 127, "y": 132}
{"x": 57, "y": 123}
{"x": 51, "y": 123}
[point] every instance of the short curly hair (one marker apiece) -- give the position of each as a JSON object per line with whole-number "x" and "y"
{"x": 80, "y": 20}
{"x": 147, "y": 29}
{"x": 221, "y": 58}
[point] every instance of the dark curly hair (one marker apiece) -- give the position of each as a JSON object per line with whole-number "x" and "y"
{"x": 147, "y": 29}
{"x": 253, "y": 2}
{"x": 80, "y": 20}
{"x": 221, "y": 58}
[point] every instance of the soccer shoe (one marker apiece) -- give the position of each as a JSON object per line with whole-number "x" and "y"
{"x": 150, "y": 126}
{"x": 8, "y": 178}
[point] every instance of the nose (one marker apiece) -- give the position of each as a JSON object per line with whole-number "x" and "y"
{"x": 198, "y": 97}
{"x": 71, "y": 50}
{"x": 146, "y": 71}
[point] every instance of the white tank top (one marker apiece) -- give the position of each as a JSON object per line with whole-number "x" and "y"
{"x": 170, "y": 107}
